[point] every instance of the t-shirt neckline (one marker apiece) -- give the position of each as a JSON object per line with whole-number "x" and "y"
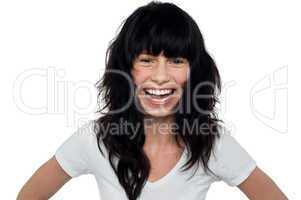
{"x": 171, "y": 172}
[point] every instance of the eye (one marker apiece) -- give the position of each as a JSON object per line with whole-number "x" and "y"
{"x": 177, "y": 60}
{"x": 145, "y": 60}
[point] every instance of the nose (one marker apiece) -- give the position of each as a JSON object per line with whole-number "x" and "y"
{"x": 160, "y": 73}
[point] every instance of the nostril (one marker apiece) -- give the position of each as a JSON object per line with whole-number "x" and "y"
{"x": 160, "y": 79}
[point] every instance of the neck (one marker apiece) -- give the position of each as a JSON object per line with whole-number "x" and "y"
{"x": 158, "y": 134}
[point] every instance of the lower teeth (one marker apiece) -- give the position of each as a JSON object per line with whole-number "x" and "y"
{"x": 160, "y": 96}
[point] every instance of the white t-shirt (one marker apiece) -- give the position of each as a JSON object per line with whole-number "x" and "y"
{"x": 80, "y": 155}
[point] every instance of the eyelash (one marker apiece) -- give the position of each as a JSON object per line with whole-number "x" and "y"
{"x": 174, "y": 60}
{"x": 145, "y": 60}
{"x": 180, "y": 61}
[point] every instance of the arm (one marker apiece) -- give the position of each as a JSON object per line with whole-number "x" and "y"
{"x": 45, "y": 182}
{"x": 259, "y": 186}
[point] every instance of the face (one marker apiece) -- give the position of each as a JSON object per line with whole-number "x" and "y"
{"x": 159, "y": 82}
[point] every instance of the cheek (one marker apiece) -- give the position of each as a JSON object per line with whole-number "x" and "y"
{"x": 181, "y": 76}
{"x": 139, "y": 76}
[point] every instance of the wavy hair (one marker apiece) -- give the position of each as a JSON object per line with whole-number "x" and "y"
{"x": 156, "y": 27}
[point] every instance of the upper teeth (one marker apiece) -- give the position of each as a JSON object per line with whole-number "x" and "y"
{"x": 159, "y": 92}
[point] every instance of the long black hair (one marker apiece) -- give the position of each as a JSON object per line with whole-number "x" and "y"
{"x": 157, "y": 27}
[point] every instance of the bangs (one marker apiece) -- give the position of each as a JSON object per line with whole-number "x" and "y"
{"x": 164, "y": 29}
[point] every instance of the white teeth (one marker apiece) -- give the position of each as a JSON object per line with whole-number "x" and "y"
{"x": 159, "y": 91}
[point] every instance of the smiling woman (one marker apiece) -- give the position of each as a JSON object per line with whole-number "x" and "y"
{"x": 157, "y": 68}
{"x": 159, "y": 82}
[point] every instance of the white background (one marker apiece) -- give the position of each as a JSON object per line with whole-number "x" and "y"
{"x": 52, "y": 52}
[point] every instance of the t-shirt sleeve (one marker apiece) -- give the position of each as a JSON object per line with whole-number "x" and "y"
{"x": 73, "y": 154}
{"x": 230, "y": 162}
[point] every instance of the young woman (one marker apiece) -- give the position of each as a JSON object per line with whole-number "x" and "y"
{"x": 159, "y": 136}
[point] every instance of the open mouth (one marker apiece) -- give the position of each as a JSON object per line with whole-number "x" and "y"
{"x": 158, "y": 93}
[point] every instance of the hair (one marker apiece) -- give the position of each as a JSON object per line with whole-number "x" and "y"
{"x": 157, "y": 27}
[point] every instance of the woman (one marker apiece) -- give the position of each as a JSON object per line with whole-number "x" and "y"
{"x": 159, "y": 136}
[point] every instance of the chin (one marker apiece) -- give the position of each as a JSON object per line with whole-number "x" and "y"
{"x": 152, "y": 109}
{"x": 158, "y": 113}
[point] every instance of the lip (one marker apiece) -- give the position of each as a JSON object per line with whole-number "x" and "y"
{"x": 146, "y": 93}
{"x": 167, "y": 87}
{"x": 156, "y": 88}
{"x": 158, "y": 101}
{"x": 154, "y": 99}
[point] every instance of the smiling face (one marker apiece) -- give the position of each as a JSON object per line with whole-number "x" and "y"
{"x": 159, "y": 82}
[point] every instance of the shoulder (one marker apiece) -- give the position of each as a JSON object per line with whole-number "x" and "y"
{"x": 229, "y": 160}
{"x": 90, "y": 139}
{"x": 87, "y": 135}
{"x": 78, "y": 152}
